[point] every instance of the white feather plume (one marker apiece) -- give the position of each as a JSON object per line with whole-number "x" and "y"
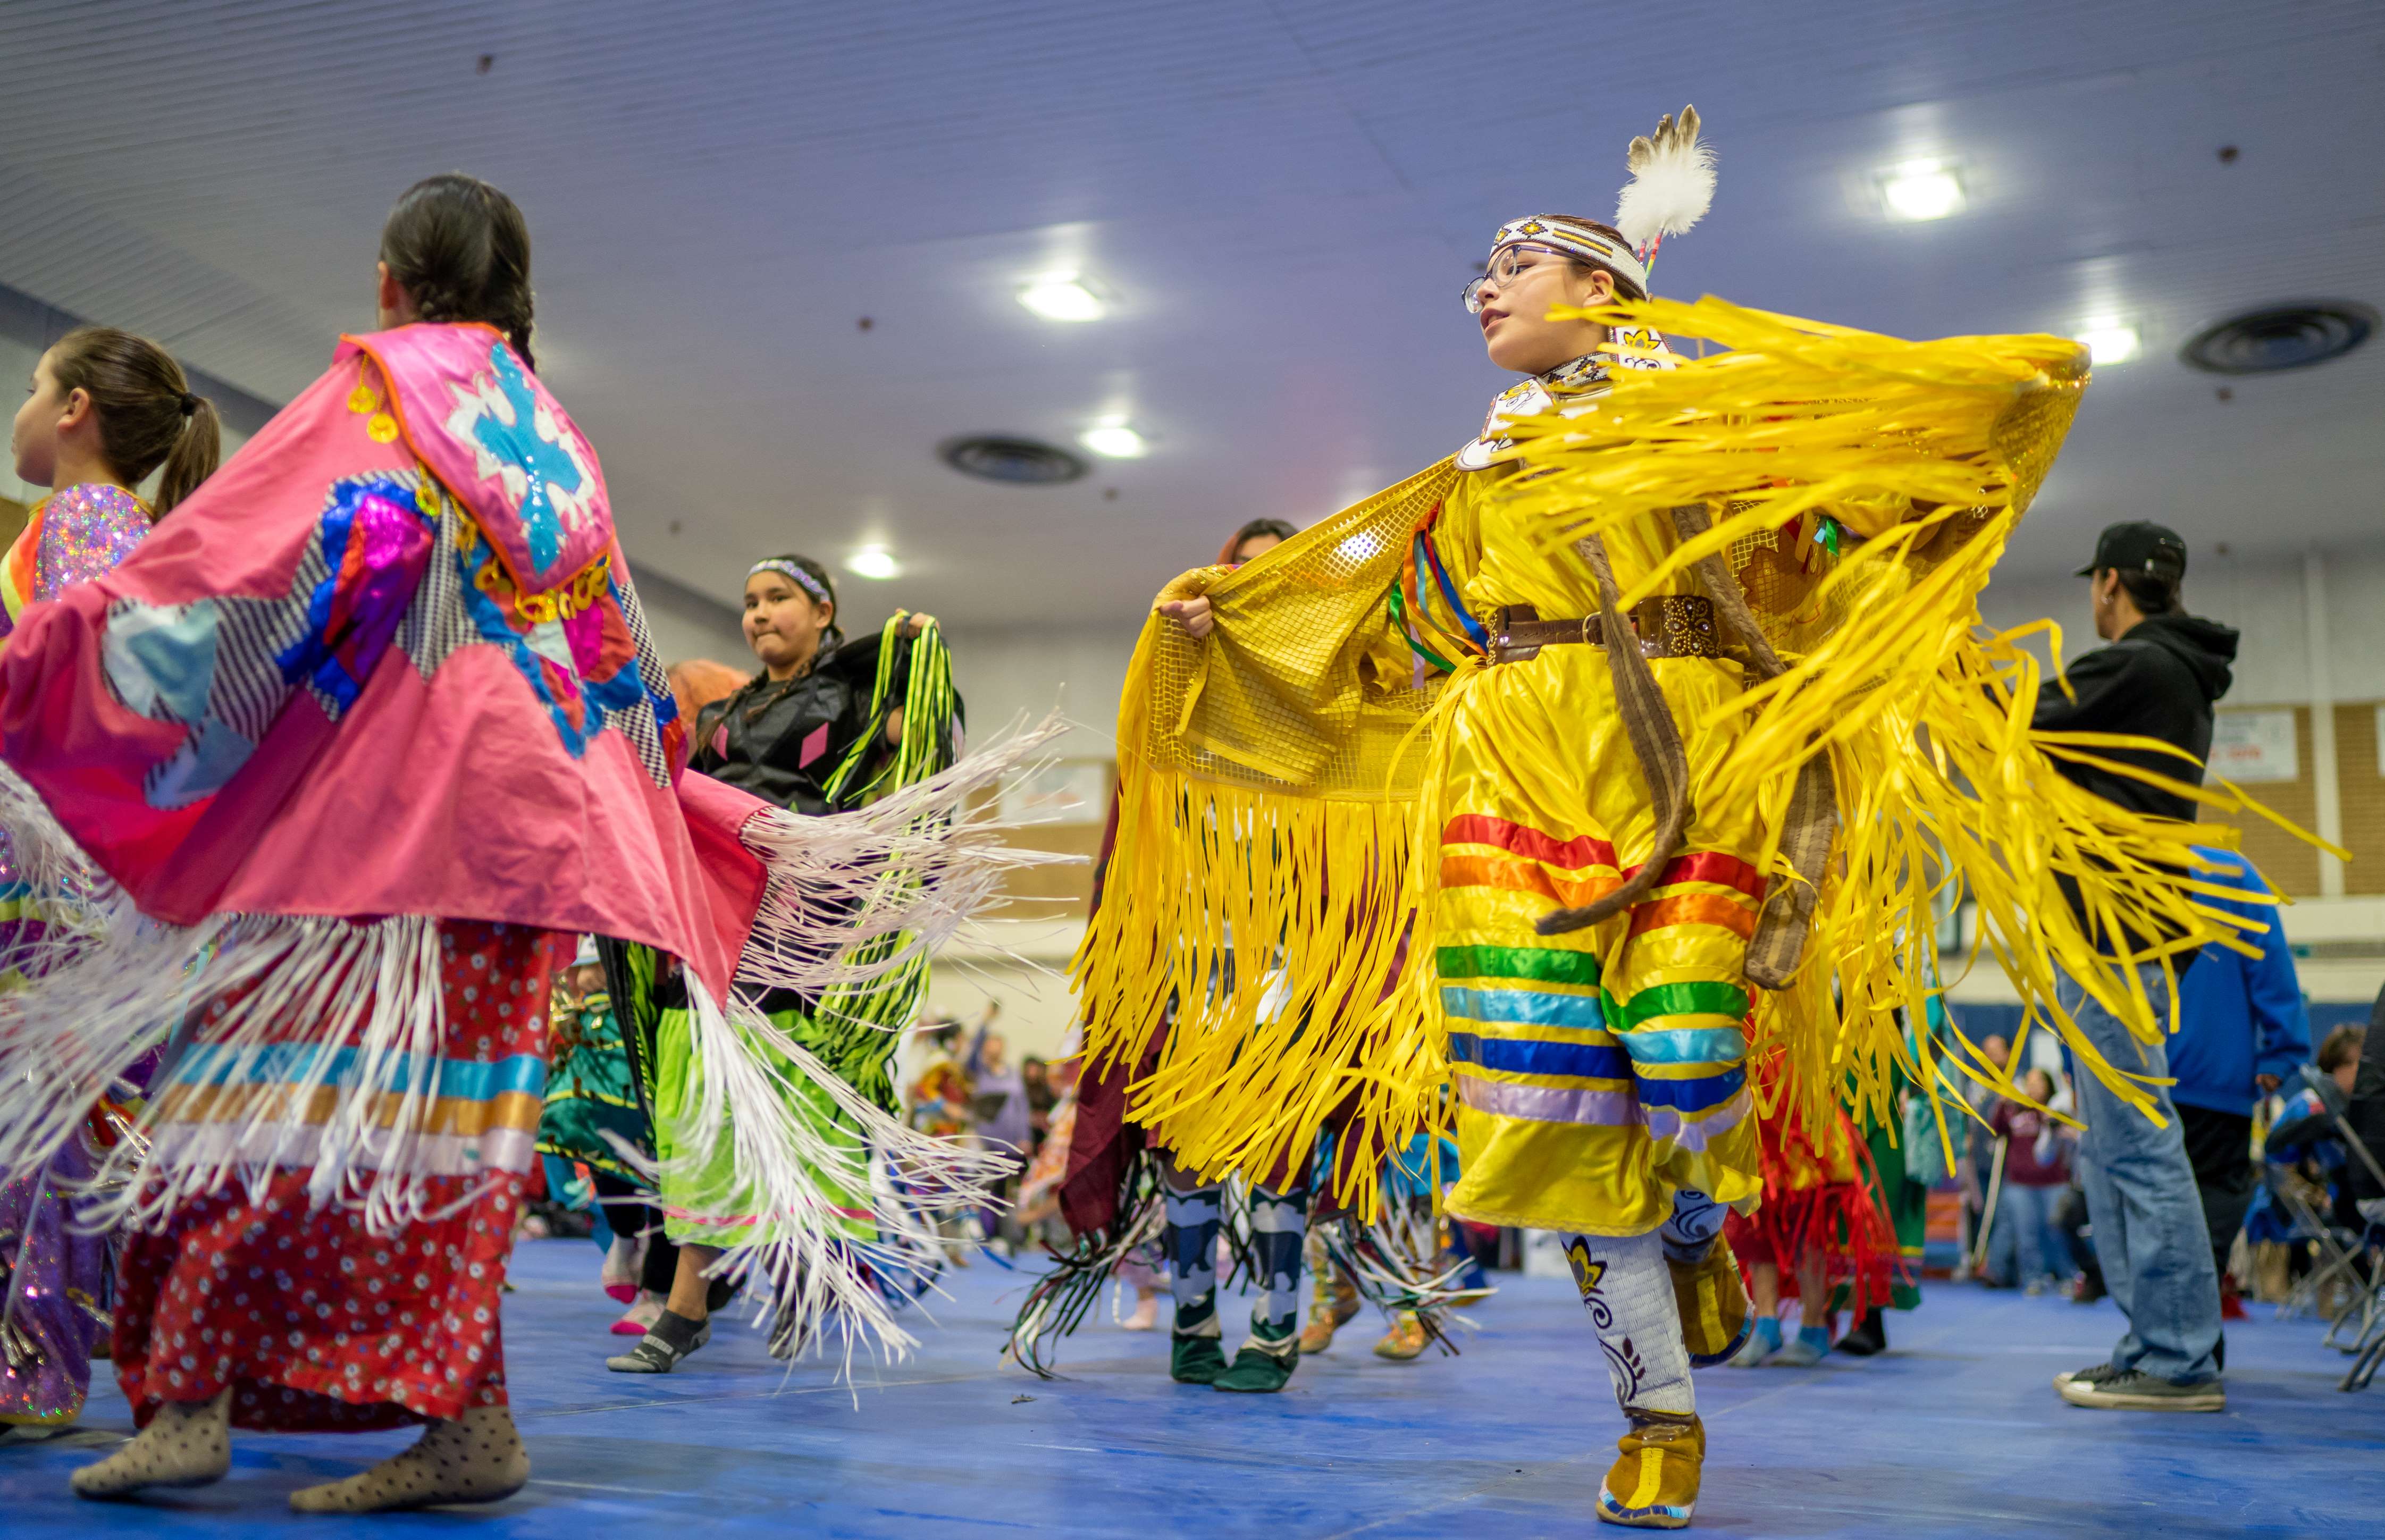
{"x": 1672, "y": 182}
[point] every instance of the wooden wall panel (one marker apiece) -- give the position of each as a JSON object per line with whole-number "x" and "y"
{"x": 2361, "y": 791}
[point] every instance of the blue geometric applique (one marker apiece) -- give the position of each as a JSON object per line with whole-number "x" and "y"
{"x": 489, "y": 619}
{"x": 206, "y": 761}
{"x": 161, "y": 659}
{"x": 372, "y": 537}
{"x": 543, "y": 462}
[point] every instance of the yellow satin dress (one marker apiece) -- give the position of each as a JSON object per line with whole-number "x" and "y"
{"x": 1598, "y": 1070}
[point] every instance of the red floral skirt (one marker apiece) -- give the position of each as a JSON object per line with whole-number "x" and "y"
{"x": 315, "y": 1321}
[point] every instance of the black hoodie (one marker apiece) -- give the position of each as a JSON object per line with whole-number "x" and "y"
{"x": 2158, "y": 682}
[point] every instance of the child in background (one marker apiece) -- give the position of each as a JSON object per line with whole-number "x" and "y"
{"x": 103, "y": 410}
{"x": 592, "y": 1114}
{"x": 2022, "y": 1246}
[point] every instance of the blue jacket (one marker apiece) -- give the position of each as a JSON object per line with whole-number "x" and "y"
{"x": 2238, "y": 1016}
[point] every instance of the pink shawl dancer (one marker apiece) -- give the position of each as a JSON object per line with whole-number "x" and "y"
{"x": 387, "y": 668}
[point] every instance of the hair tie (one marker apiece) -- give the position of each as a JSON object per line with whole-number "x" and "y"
{"x": 803, "y": 579}
{"x": 190, "y": 403}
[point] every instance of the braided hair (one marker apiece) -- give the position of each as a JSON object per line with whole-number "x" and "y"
{"x": 461, "y": 250}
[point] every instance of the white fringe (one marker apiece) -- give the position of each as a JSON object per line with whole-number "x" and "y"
{"x": 855, "y": 897}
{"x": 372, "y": 988}
{"x": 896, "y": 879}
{"x": 804, "y": 1274}
{"x": 76, "y": 900}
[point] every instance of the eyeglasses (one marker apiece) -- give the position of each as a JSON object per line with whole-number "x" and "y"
{"x": 1504, "y": 269}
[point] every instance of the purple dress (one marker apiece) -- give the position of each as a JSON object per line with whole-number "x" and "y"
{"x": 54, "y": 1307}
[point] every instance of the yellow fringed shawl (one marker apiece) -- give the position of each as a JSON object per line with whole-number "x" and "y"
{"x": 1262, "y": 864}
{"x": 1266, "y": 866}
{"x": 1929, "y": 454}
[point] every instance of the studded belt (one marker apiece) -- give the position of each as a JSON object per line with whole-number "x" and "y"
{"x": 1666, "y": 625}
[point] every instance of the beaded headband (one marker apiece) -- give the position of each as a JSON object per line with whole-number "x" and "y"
{"x": 801, "y": 578}
{"x": 1548, "y": 229}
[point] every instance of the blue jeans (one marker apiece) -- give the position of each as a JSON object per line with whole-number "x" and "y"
{"x": 2022, "y": 1247}
{"x": 2147, "y": 1213}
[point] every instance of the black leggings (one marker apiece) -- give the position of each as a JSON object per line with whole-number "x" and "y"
{"x": 628, "y": 1214}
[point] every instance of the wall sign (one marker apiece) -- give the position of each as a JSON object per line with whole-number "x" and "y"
{"x": 2255, "y": 746}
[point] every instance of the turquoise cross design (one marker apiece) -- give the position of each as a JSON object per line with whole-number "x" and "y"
{"x": 541, "y": 463}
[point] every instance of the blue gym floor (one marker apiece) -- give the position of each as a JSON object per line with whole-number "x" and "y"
{"x": 1955, "y": 1432}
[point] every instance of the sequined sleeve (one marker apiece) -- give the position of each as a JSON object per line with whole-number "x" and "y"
{"x": 85, "y": 533}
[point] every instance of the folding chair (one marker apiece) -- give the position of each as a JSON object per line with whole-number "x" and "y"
{"x": 2367, "y": 1346}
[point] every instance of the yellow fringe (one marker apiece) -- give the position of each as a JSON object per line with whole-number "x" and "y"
{"x": 1929, "y": 453}
{"x": 1260, "y": 881}
{"x": 1266, "y": 863}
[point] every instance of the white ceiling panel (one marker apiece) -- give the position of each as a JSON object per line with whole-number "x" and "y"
{"x": 1280, "y": 201}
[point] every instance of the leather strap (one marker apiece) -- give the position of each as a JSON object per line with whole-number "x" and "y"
{"x": 1666, "y": 625}
{"x": 1812, "y": 821}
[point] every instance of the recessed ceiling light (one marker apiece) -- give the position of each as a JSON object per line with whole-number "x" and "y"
{"x": 2282, "y": 337}
{"x": 1114, "y": 441}
{"x": 872, "y": 561}
{"x": 1065, "y": 298}
{"x": 1008, "y": 457}
{"x": 1921, "y": 189}
{"x": 2108, "y": 341}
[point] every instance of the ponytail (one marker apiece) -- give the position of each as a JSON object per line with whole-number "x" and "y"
{"x": 194, "y": 455}
{"x": 147, "y": 416}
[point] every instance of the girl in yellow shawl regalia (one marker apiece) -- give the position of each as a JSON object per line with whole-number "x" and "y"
{"x": 1405, "y": 744}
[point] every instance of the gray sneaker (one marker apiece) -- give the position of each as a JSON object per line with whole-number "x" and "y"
{"x": 670, "y": 1339}
{"x": 2093, "y": 1375}
{"x": 2127, "y": 1390}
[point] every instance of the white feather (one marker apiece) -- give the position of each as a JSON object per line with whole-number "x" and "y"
{"x": 1670, "y": 190}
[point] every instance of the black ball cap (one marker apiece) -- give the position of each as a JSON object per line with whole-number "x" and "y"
{"x": 2138, "y": 546}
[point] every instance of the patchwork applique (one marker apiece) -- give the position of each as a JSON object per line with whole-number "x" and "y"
{"x": 373, "y": 540}
{"x": 369, "y": 579}
{"x": 573, "y": 645}
{"x": 223, "y": 667}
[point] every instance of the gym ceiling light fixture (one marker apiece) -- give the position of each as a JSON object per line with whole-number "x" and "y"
{"x": 1921, "y": 189}
{"x": 1008, "y": 457}
{"x": 1063, "y": 298}
{"x": 872, "y": 561}
{"x": 1113, "y": 440}
{"x": 2108, "y": 341}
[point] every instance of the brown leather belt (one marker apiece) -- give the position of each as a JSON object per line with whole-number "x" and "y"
{"x": 1666, "y": 626}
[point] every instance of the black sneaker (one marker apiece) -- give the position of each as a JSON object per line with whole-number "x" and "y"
{"x": 1868, "y": 1337}
{"x": 672, "y": 1338}
{"x": 2128, "y": 1390}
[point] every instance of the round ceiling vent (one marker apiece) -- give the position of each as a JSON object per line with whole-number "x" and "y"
{"x": 2281, "y": 337}
{"x": 1004, "y": 457}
